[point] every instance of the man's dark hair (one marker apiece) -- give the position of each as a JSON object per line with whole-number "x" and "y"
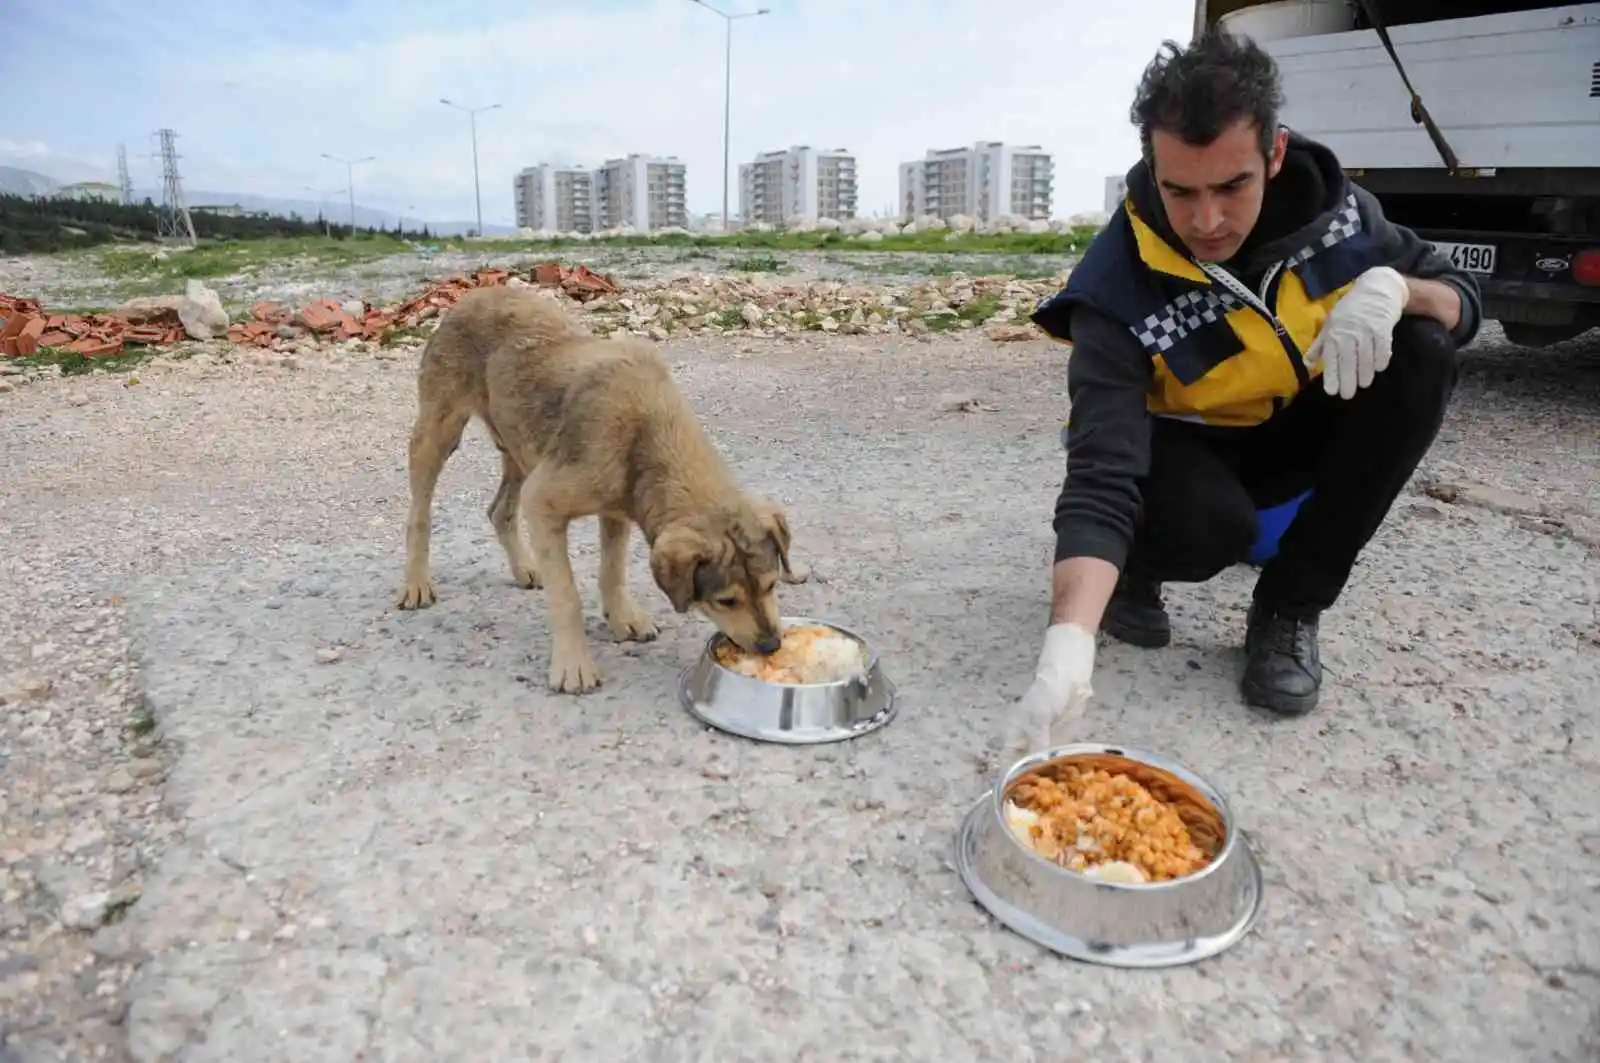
{"x": 1195, "y": 93}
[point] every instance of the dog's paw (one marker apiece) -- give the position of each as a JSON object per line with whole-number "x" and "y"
{"x": 799, "y": 572}
{"x": 631, "y": 624}
{"x": 526, "y": 577}
{"x": 573, "y": 672}
{"x": 418, "y": 595}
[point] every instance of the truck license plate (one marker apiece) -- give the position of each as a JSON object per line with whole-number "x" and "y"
{"x": 1474, "y": 258}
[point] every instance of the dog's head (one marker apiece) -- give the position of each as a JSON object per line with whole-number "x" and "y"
{"x": 726, "y": 565}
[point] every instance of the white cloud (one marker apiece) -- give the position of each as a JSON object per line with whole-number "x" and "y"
{"x": 254, "y": 111}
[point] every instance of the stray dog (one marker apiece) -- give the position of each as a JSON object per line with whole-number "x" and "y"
{"x": 590, "y": 426}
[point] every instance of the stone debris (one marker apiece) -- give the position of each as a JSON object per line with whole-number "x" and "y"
{"x": 197, "y": 314}
{"x": 272, "y": 324}
{"x": 724, "y": 304}
{"x": 704, "y": 303}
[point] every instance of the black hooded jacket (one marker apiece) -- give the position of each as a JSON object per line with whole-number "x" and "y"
{"x": 1108, "y": 374}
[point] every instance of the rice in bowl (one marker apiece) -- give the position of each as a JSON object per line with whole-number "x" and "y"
{"x": 811, "y": 653}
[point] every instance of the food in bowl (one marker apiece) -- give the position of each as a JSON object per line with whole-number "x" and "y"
{"x": 811, "y": 653}
{"x": 1103, "y": 824}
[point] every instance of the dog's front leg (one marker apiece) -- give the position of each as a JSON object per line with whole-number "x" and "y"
{"x": 572, "y": 669}
{"x": 629, "y": 621}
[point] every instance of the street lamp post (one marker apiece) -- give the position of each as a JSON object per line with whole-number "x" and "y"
{"x": 350, "y": 176}
{"x": 727, "y": 94}
{"x": 472, "y": 117}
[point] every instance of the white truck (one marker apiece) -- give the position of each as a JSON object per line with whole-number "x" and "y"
{"x": 1495, "y": 155}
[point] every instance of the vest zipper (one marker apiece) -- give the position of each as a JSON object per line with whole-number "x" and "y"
{"x": 1261, "y": 305}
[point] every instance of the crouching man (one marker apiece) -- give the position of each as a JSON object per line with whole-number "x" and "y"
{"x": 1248, "y": 327}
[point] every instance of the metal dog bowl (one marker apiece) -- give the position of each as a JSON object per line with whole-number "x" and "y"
{"x": 1154, "y": 924}
{"x": 793, "y": 714}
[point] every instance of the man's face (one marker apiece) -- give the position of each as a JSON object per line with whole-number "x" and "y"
{"x": 1212, "y": 194}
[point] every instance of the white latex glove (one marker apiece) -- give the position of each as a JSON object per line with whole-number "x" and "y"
{"x": 1053, "y": 705}
{"x": 1358, "y": 336}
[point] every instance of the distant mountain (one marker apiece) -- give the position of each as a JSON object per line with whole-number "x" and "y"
{"x": 19, "y": 182}
{"x": 336, "y": 209}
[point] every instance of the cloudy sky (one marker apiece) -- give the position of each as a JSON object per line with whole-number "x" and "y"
{"x": 258, "y": 91}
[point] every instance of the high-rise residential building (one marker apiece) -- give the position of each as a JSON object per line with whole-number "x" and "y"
{"x": 799, "y": 182}
{"x": 984, "y": 182}
{"x": 555, "y": 198}
{"x": 641, "y": 191}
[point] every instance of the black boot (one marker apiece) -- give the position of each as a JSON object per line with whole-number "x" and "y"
{"x": 1283, "y": 672}
{"x": 1135, "y": 614}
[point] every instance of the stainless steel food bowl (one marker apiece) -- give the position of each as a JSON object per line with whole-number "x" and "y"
{"x": 797, "y": 714}
{"x": 1154, "y": 924}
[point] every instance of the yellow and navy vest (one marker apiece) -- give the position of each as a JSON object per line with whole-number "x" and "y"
{"x": 1222, "y": 354}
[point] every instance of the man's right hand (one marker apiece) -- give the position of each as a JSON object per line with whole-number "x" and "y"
{"x": 1049, "y": 711}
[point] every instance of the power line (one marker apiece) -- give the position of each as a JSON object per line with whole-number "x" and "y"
{"x": 172, "y": 221}
{"x": 124, "y": 182}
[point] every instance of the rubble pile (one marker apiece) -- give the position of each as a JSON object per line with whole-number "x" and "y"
{"x": 271, "y": 322}
{"x": 709, "y": 303}
{"x": 716, "y": 304}
{"x": 26, "y": 327}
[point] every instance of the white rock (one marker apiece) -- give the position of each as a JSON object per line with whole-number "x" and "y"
{"x": 86, "y": 911}
{"x": 201, "y": 312}
{"x": 871, "y": 236}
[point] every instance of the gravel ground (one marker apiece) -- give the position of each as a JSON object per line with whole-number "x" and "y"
{"x": 248, "y": 811}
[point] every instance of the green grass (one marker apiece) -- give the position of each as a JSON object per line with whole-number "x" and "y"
{"x": 1024, "y": 267}
{"x": 142, "y": 723}
{"x": 71, "y": 363}
{"x": 403, "y": 334}
{"x": 980, "y": 309}
{"x": 758, "y": 264}
{"x": 234, "y": 256}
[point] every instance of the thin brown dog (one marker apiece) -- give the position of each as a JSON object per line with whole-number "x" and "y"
{"x": 590, "y": 426}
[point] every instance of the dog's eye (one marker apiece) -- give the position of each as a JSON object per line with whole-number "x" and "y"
{"x": 728, "y": 603}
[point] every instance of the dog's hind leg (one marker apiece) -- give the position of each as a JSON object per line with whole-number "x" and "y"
{"x": 503, "y": 514}
{"x": 434, "y": 437}
{"x": 629, "y": 622}
{"x": 572, "y": 668}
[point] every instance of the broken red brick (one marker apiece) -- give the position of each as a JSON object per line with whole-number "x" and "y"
{"x": 28, "y": 338}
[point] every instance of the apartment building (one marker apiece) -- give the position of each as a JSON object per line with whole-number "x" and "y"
{"x": 555, "y": 198}
{"x": 641, "y": 191}
{"x": 984, "y": 182}
{"x": 798, "y": 182}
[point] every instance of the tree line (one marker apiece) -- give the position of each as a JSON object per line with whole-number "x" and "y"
{"x": 33, "y": 224}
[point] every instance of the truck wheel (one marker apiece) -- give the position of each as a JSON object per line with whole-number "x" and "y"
{"x": 1524, "y": 334}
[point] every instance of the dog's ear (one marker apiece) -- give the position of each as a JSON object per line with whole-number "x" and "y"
{"x": 678, "y": 560}
{"x": 777, "y": 528}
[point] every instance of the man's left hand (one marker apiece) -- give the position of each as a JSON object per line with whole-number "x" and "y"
{"x": 1358, "y": 337}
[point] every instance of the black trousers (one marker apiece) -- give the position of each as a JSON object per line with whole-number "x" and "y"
{"x": 1203, "y": 488}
